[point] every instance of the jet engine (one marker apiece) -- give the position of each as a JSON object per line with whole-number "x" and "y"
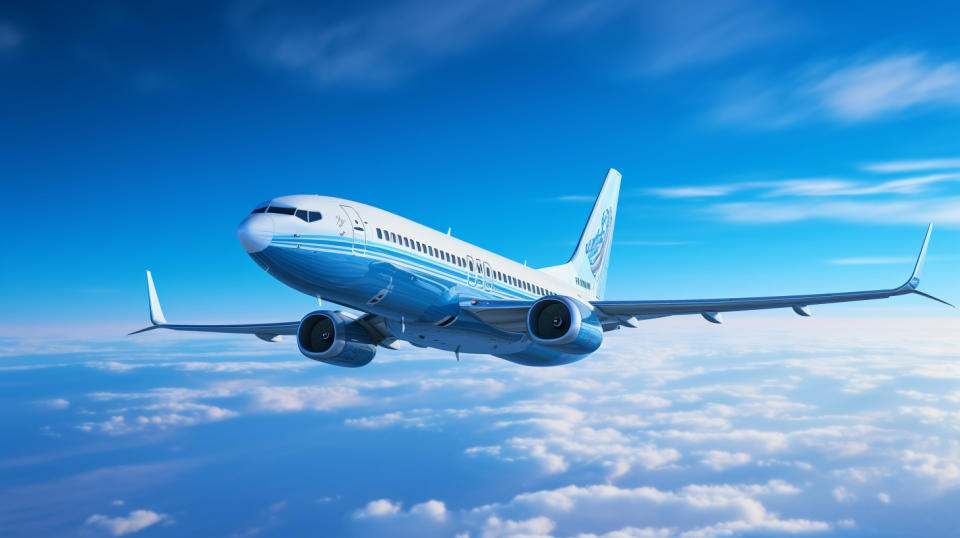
{"x": 332, "y": 338}
{"x": 565, "y": 324}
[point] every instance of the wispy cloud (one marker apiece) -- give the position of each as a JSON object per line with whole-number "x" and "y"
{"x": 10, "y": 37}
{"x": 376, "y": 47}
{"x": 870, "y": 261}
{"x": 917, "y": 165}
{"x": 574, "y": 198}
{"x": 821, "y": 187}
{"x": 942, "y": 211}
{"x": 379, "y": 47}
{"x": 858, "y": 90}
{"x": 642, "y": 243}
{"x": 689, "y": 33}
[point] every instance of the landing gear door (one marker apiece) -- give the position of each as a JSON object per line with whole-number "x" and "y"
{"x": 358, "y": 227}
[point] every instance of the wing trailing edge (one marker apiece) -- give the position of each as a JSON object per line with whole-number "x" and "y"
{"x": 628, "y": 312}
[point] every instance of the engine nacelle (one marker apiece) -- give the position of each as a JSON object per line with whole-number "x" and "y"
{"x": 332, "y": 338}
{"x": 565, "y": 324}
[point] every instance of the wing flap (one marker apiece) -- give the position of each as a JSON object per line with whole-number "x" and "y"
{"x": 507, "y": 316}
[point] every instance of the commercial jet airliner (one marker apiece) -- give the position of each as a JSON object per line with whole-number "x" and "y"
{"x": 433, "y": 290}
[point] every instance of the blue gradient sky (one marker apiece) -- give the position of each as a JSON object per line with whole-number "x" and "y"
{"x": 136, "y": 137}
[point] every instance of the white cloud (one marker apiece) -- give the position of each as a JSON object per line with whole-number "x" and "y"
{"x": 378, "y": 508}
{"x": 943, "y": 469}
{"x": 883, "y": 497}
{"x": 135, "y": 521}
{"x": 841, "y": 495}
{"x": 859, "y": 90}
{"x": 535, "y": 527}
{"x": 916, "y": 165}
{"x": 812, "y": 187}
{"x": 875, "y": 87}
{"x": 720, "y": 460}
{"x": 297, "y": 398}
{"x": 55, "y": 403}
{"x": 920, "y": 212}
{"x": 432, "y": 509}
{"x": 694, "y": 510}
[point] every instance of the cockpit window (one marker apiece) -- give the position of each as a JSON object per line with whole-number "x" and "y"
{"x": 281, "y": 210}
{"x": 259, "y": 210}
{"x": 308, "y": 216}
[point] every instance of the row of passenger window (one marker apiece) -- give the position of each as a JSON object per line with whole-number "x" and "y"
{"x": 302, "y": 214}
{"x": 466, "y": 263}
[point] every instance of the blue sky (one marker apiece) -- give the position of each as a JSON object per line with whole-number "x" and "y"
{"x": 138, "y": 137}
{"x": 766, "y": 148}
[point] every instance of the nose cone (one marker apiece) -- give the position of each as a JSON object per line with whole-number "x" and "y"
{"x": 255, "y": 232}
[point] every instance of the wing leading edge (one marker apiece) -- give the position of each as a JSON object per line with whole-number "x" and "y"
{"x": 264, "y": 331}
{"x": 271, "y": 332}
{"x": 629, "y": 312}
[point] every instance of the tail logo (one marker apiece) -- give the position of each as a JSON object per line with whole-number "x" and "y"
{"x": 598, "y": 244}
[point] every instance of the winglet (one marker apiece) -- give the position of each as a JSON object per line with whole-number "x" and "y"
{"x": 914, "y": 281}
{"x": 911, "y": 285}
{"x": 156, "y": 313}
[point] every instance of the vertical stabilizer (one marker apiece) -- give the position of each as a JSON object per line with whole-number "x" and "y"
{"x": 587, "y": 268}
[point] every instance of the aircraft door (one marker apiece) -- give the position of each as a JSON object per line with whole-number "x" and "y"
{"x": 487, "y": 277}
{"x": 359, "y": 229}
{"x": 471, "y": 272}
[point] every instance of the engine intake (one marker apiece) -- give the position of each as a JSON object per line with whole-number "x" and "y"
{"x": 332, "y": 338}
{"x": 563, "y": 322}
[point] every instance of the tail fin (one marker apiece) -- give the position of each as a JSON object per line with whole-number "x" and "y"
{"x": 587, "y": 267}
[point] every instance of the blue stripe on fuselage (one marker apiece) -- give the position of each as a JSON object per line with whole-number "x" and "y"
{"x": 388, "y": 253}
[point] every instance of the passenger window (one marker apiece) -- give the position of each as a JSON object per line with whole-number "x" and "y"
{"x": 393, "y": 237}
{"x": 471, "y": 264}
{"x": 406, "y": 243}
{"x": 418, "y": 245}
{"x": 379, "y": 234}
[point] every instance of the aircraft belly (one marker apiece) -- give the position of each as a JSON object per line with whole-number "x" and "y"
{"x": 466, "y": 336}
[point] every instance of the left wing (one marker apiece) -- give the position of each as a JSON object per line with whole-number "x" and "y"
{"x": 629, "y": 312}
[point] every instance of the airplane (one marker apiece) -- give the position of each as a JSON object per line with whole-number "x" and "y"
{"x": 432, "y": 290}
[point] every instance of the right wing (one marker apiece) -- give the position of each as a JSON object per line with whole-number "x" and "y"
{"x": 264, "y": 331}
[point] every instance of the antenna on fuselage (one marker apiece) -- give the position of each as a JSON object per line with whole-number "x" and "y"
{"x": 457, "y": 353}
